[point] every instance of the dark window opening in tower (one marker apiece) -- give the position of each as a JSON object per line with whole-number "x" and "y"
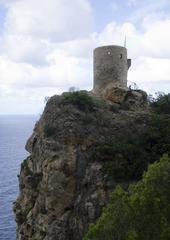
{"x": 121, "y": 56}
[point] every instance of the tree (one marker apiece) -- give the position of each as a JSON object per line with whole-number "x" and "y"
{"x": 161, "y": 104}
{"x": 73, "y": 89}
{"x": 142, "y": 212}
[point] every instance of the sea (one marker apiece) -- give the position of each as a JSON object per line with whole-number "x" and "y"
{"x": 14, "y": 132}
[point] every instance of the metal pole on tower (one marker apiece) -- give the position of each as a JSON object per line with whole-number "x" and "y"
{"x": 125, "y": 42}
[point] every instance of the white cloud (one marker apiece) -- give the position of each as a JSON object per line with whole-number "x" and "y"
{"x": 27, "y": 85}
{"x": 153, "y": 41}
{"x": 62, "y": 72}
{"x": 80, "y": 48}
{"x": 19, "y": 48}
{"x": 55, "y": 20}
{"x": 39, "y": 49}
{"x": 157, "y": 38}
{"x": 152, "y": 74}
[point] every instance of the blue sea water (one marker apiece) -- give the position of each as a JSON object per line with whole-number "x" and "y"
{"x": 14, "y": 131}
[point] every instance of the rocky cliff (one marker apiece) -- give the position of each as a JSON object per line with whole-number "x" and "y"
{"x": 65, "y": 182}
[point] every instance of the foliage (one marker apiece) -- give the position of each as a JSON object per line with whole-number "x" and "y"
{"x": 127, "y": 157}
{"x": 81, "y": 99}
{"x": 141, "y": 213}
{"x": 73, "y": 89}
{"x": 161, "y": 104}
{"x": 123, "y": 160}
{"x": 156, "y": 139}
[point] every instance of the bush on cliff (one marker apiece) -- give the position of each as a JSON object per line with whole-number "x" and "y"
{"x": 81, "y": 99}
{"x": 156, "y": 139}
{"x": 127, "y": 157}
{"x": 161, "y": 104}
{"x": 141, "y": 213}
{"x": 123, "y": 160}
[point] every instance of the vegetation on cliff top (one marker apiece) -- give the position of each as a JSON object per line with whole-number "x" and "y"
{"x": 79, "y": 98}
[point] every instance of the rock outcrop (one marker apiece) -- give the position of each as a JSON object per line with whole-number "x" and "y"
{"x": 133, "y": 99}
{"x": 62, "y": 187}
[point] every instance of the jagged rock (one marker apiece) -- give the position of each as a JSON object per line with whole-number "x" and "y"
{"x": 62, "y": 188}
{"x": 128, "y": 98}
{"x": 116, "y": 95}
{"x": 136, "y": 99}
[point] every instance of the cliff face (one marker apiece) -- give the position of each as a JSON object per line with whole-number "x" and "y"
{"x": 63, "y": 187}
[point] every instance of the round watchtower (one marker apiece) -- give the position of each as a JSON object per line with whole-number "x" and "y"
{"x": 110, "y": 68}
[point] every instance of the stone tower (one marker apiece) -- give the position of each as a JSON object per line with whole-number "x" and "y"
{"x": 110, "y": 68}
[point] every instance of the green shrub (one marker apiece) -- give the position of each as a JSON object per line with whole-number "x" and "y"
{"x": 161, "y": 104}
{"x": 81, "y": 99}
{"x": 127, "y": 157}
{"x": 99, "y": 102}
{"x": 141, "y": 213}
{"x": 156, "y": 139}
{"x": 122, "y": 159}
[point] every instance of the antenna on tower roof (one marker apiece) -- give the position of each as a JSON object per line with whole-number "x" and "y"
{"x": 125, "y": 42}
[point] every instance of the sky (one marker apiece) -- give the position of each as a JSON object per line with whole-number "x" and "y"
{"x": 46, "y": 46}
